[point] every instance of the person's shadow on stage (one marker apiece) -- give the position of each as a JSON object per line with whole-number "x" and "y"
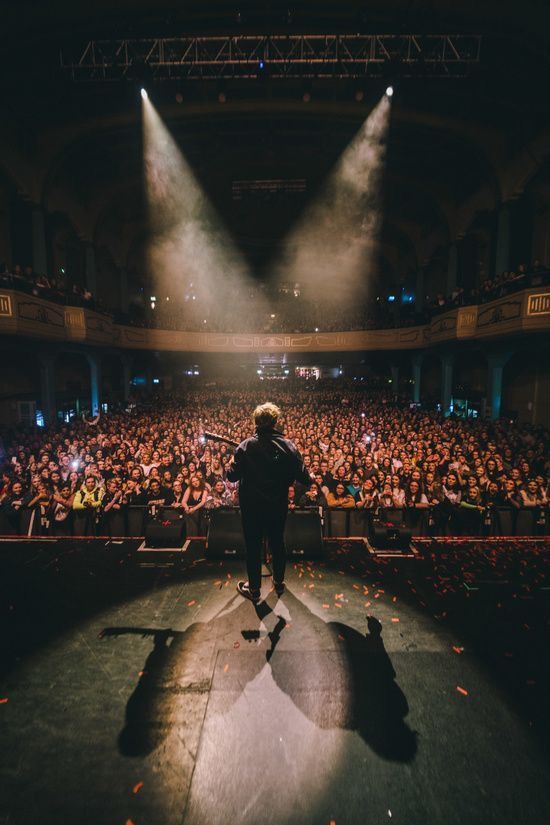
{"x": 347, "y": 681}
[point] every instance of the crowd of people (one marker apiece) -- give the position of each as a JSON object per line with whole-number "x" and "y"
{"x": 524, "y": 276}
{"x": 60, "y": 288}
{"x": 363, "y": 452}
{"x": 272, "y": 313}
{"x": 288, "y": 308}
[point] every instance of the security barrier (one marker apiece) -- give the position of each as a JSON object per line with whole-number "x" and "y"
{"x": 130, "y": 522}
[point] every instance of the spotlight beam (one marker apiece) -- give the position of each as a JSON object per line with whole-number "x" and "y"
{"x": 190, "y": 255}
{"x": 331, "y": 252}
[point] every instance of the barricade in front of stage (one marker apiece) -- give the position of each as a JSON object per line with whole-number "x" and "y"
{"x": 335, "y": 523}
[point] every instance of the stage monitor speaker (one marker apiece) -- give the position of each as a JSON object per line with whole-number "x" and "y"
{"x": 303, "y": 534}
{"x": 225, "y": 534}
{"x": 384, "y": 537}
{"x": 159, "y": 534}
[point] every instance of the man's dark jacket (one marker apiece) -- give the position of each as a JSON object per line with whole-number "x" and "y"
{"x": 266, "y": 465}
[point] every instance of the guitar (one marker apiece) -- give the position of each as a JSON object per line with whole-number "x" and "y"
{"x": 207, "y": 436}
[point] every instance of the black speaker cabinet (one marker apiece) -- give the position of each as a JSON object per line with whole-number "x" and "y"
{"x": 384, "y": 537}
{"x": 158, "y": 534}
{"x": 303, "y": 534}
{"x": 225, "y": 534}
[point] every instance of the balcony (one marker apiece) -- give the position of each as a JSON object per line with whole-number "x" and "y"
{"x": 519, "y": 313}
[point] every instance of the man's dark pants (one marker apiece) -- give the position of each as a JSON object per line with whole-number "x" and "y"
{"x": 261, "y": 519}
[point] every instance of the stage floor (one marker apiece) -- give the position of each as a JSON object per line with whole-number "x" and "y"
{"x": 137, "y": 694}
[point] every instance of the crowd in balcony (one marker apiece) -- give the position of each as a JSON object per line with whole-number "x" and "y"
{"x": 491, "y": 289}
{"x": 59, "y": 288}
{"x": 284, "y": 309}
{"x": 365, "y": 452}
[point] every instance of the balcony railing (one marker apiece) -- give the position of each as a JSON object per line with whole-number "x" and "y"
{"x": 27, "y": 315}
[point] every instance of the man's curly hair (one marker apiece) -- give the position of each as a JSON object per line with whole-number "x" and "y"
{"x": 266, "y": 415}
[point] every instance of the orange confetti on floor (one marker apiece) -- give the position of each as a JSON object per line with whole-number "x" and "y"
{"x": 226, "y": 668}
{"x": 3, "y": 701}
{"x": 457, "y": 649}
{"x": 462, "y": 690}
{"x": 395, "y": 619}
{"x": 191, "y": 603}
{"x": 326, "y": 606}
{"x": 137, "y": 787}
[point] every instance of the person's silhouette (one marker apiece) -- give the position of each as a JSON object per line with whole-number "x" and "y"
{"x": 340, "y": 679}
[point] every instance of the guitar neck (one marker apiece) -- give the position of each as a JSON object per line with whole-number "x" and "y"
{"x": 221, "y": 438}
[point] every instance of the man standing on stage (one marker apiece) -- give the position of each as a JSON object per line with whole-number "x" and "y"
{"x": 265, "y": 465}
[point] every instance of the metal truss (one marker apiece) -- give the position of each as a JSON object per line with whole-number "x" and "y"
{"x": 276, "y": 56}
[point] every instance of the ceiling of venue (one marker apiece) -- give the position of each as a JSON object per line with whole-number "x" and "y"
{"x": 450, "y": 139}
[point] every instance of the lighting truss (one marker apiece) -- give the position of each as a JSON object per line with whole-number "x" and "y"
{"x": 278, "y": 56}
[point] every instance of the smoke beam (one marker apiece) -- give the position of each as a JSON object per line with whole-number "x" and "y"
{"x": 332, "y": 251}
{"x": 188, "y": 243}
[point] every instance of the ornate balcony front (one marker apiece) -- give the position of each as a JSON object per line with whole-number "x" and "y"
{"x": 32, "y": 317}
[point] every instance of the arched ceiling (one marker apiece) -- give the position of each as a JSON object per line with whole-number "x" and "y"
{"x": 449, "y": 145}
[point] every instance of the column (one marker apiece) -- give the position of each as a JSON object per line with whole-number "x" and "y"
{"x": 90, "y": 269}
{"x": 419, "y": 290}
{"x": 95, "y": 383}
{"x": 502, "y": 250}
{"x": 47, "y": 388}
{"x": 447, "y": 364}
{"x": 452, "y": 269}
{"x": 123, "y": 289}
{"x": 495, "y": 367}
{"x": 416, "y": 375}
{"x": 126, "y": 376}
{"x": 395, "y": 378}
{"x": 39, "y": 255}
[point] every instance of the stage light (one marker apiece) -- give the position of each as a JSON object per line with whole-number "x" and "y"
{"x": 186, "y": 235}
{"x": 261, "y": 65}
{"x": 389, "y": 91}
{"x": 144, "y": 94}
{"x": 339, "y": 231}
